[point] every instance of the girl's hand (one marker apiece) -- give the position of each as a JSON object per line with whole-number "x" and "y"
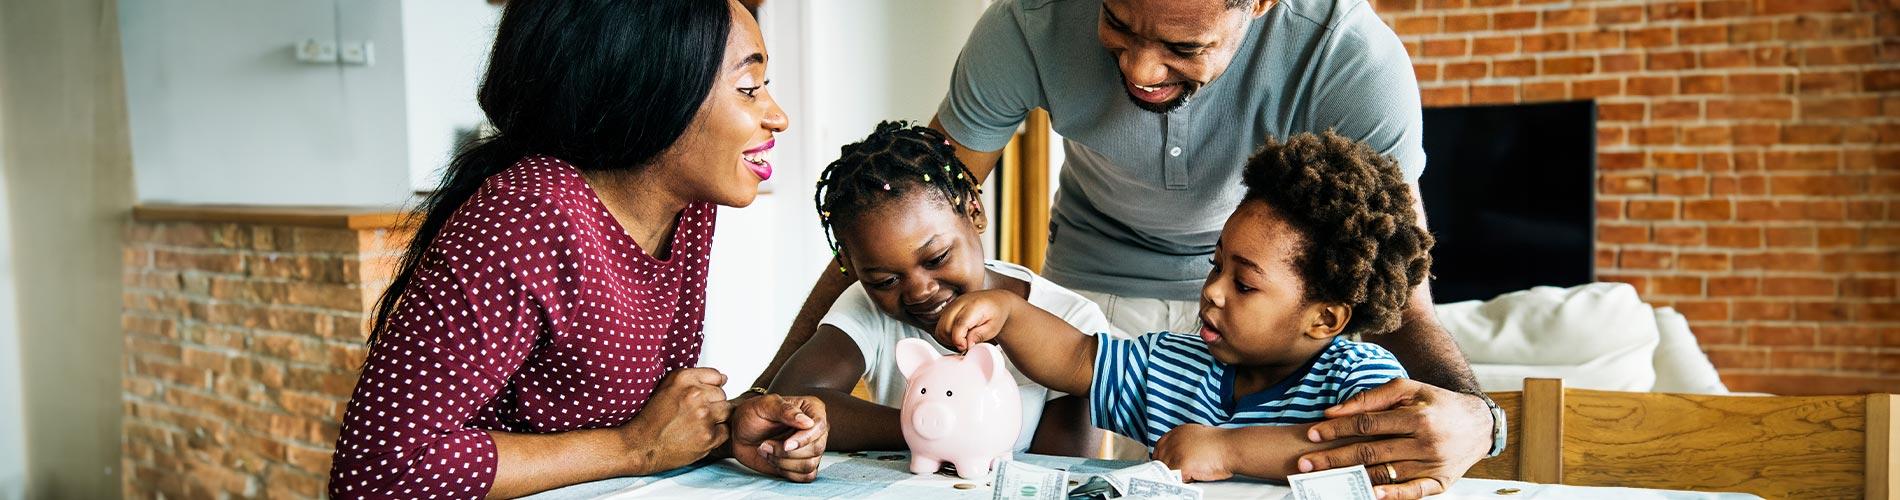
{"x": 975, "y": 318}
{"x": 1200, "y": 452}
{"x": 780, "y": 436}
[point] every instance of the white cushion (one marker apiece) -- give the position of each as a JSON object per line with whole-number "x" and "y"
{"x": 1681, "y": 367}
{"x": 1594, "y": 336}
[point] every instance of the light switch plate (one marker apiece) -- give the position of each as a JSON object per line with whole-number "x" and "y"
{"x": 314, "y": 51}
{"x": 357, "y": 53}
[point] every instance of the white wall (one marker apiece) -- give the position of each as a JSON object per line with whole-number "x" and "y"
{"x": 446, "y": 44}
{"x": 222, "y": 113}
{"x": 12, "y": 400}
{"x": 837, "y": 67}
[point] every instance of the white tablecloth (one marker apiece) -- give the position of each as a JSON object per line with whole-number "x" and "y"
{"x": 887, "y": 475}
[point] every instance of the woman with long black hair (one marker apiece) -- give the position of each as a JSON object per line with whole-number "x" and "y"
{"x": 543, "y": 326}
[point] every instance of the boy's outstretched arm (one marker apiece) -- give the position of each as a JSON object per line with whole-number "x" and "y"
{"x": 1204, "y": 453}
{"x": 1046, "y": 348}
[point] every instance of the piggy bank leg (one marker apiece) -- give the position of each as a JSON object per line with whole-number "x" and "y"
{"x": 974, "y": 468}
{"x": 920, "y": 464}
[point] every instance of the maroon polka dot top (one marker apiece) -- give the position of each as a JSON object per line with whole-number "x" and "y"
{"x": 532, "y": 311}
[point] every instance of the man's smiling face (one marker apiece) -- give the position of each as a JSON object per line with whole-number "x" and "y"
{"x": 1168, "y": 49}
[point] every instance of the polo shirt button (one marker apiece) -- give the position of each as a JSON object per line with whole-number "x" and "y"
{"x": 1175, "y": 151}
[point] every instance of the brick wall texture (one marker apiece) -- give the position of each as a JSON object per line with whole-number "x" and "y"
{"x": 1748, "y": 160}
{"x": 242, "y": 345}
{"x": 1749, "y": 175}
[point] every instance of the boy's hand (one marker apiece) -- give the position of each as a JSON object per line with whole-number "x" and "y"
{"x": 1200, "y": 452}
{"x": 975, "y": 318}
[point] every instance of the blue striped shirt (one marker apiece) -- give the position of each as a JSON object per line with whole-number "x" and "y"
{"x": 1147, "y": 386}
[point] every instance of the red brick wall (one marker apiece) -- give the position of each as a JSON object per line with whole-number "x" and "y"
{"x": 1748, "y": 161}
{"x": 242, "y": 344}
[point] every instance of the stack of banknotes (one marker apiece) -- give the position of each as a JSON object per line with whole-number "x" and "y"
{"x": 1154, "y": 480}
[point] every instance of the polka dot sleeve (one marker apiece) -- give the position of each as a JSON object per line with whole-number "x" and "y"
{"x": 531, "y": 312}
{"x": 406, "y": 431}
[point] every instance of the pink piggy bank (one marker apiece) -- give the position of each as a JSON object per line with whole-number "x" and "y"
{"x": 958, "y": 409}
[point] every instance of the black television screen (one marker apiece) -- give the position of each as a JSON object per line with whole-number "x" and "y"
{"x": 1510, "y": 195}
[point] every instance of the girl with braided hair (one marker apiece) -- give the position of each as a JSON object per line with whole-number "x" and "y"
{"x": 905, "y": 220}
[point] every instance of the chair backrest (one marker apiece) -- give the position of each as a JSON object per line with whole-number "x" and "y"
{"x": 1773, "y": 446}
{"x": 1505, "y": 465}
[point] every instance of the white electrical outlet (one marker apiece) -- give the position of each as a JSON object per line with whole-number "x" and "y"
{"x": 358, "y": 53}
{"x": 314, "y": 51}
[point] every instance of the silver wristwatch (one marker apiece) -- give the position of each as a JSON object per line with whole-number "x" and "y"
{"x": 1498, "y": 425}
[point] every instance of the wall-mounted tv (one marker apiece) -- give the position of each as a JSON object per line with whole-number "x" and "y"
{"x": 1510, "y": 194}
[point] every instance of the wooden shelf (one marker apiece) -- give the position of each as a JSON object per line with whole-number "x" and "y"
{"x": 338, "y": 217}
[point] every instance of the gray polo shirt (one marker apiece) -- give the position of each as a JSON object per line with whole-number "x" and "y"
{"x": 1142, "y": 195}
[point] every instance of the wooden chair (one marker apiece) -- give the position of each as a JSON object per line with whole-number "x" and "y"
{"x": 1772, "y": 446}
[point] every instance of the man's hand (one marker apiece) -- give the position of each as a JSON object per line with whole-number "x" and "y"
{"x": 1429, "y": 436}
{"x": 780, "y": 436}
{"x": 1200, "y": 452}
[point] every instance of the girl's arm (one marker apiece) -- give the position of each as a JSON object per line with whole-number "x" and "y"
{"x": 1065, "y": 429}
{"x": 827, "y": 367}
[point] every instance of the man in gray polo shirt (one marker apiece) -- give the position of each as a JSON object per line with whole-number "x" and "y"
{"x": 1160, "y": 103}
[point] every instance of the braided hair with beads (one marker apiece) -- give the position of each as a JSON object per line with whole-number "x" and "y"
{"x": 898, "y": 159}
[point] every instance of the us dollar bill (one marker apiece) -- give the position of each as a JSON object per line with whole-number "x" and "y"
{"x": 1144, "y": 488}
{"x": 1025, "y": 481}
{"x": 1345, "y": 483}
{"x": 1153, "y": 471}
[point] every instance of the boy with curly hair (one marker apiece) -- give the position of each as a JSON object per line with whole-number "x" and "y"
{"x": 1324, "y": 245}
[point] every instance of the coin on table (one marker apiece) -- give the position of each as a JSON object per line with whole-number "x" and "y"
{"x": 1073, "y": 482}
{"x": 1508, "y": 491}
{"x": 963, "y": 486}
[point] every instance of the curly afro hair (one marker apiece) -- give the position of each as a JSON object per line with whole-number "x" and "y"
{"x": 1362, "y": 245}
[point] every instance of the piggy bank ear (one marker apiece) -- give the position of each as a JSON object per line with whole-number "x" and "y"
{"x": 988, "y": 359}
{"x": 913, "y": 354}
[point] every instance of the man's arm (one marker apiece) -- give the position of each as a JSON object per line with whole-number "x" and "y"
{"x": 1420, "y": 343}
{"x": 1426, "y": 349}
{"x": 832, "y": 283}
{"x": 979, "y": 162}
{"x": 1435, "y": 422}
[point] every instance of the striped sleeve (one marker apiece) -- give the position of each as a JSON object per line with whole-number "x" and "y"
{"x": 1369, "y": 366}
{"x": 1115, "y": 396}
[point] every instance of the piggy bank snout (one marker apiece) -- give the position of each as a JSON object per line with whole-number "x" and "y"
{"x": 933, "y": 420}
